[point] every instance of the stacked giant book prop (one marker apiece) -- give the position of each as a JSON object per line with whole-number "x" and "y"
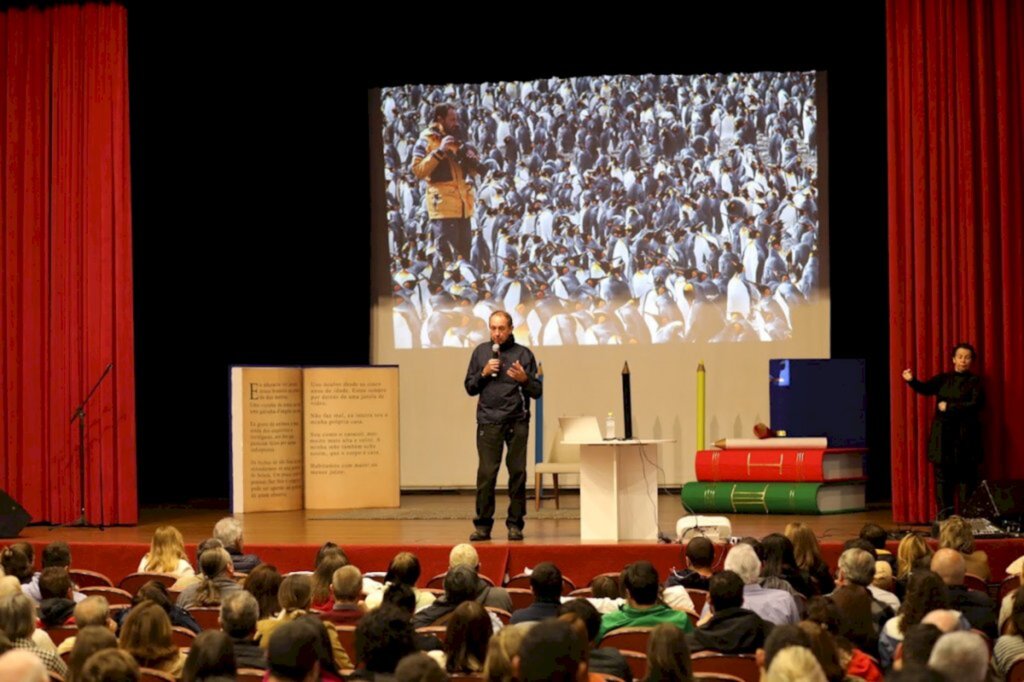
{"x": 777, "y": 476}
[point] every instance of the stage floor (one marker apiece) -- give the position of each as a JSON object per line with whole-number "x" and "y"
{"x": 306, "y": 528}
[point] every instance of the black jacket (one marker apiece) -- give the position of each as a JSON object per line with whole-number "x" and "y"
{"x": 502, "y": 398}
{"x": 731, "y": 631}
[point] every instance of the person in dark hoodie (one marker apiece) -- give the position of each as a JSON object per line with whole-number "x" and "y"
{"x": 57, "y": 607}
{"x": 602, "y": 660}
{"x": 732, "y": 629}
{"x": 460, "y": 584}
{"x": 156, "y": 592}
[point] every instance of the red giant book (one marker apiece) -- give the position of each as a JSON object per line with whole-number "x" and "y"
{"x": 834, "y": 464}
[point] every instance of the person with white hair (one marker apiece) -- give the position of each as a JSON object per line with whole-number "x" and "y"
{"x": 18, "y": 665}
{"x": 229, "y": 531}
{"x": 774, "y": 606}
{"x": 961, "y": 656}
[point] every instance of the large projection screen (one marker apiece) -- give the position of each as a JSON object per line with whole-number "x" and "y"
{"x": 659, "y": 220}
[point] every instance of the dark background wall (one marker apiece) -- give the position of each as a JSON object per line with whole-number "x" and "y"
{"x": 250, "y": 141}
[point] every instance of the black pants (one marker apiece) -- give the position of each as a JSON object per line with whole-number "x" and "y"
{"x": 490, "y": 441}
{"x": 455, "y": 232}
{"x": 954, "y": 486}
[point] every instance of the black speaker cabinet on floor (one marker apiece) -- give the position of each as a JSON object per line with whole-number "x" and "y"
{"x": 13, "y": 516}
{"x": 996, "y": 500}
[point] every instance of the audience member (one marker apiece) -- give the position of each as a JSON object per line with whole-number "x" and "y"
{"x": 347, "y": 586}
{"x": 961, "y": 656}
{"x": 217, "y": 581}
{"x": 93, "y": 612}
{"x": 263, "y": 582}
{"x": 18, "y": 622}
{"x": 546, "y": 584}
{"x": 925, "y": 592}
{"x": 640, "y": 583}
{"x": 404, "y": 569}
{"x": 601, "y": 660}
{"x": 383, "y": 637}
{"x": 210, "y": 655}
{"x": 732, "y": 629}
{"x": 772, "y": 605}
{"x": 239, "y": 613}
{"x": 167, "y": 554}
{"x": 89, "y": 640}
{"x": 807, "y": 552}
{"x": 955, "y": 533}
{"x": 700, "y": 559}
{"x": 294, "y": 597}
{"x": 976, "y": 606}
{"x": 146, "y": 634}
{"x": 229, "y": 531}
{"x": 1010, "y": 646}
{"x": 551, "y": 651}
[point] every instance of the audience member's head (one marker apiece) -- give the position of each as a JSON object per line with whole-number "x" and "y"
{"x": 874, "y": 534}
{"x": 640, "y": 583}
{"x": 229, "y": 531}
{"x": 328, "y": 548}
{"x": 861, "y": 543}
{"x": 668, "y": 654}
{"x": 856, "y": 624}
{"x": 55, "y": 583}
{"x": 466, "y": 638}
{"x": 552, "y": 650}
{"x": 9, "y": 585}
{"x": 324, "y": 574}
{"x": 383, "y": 637}
{"x": 918, "y": 642}
{"x": 464, "y": 555}
{"x": 883, "y": 575}
{"x": 725, "y": 591}
{"x": 778, "y": 554}
{"x": 404, "y": 568}
{"x": 17, "y": 616}
{"x": 700, "y": 553}
{"x": 146, "y": 634}
{"x": 22, "y": 666}
{"x": 347, "y": 584}
{"x": 824, "y": 612}
{"x": 295, "y": 592}
{"x": 946, "y": 620}
{"x": 460, "y": 584}
{"x": 949, "y": 565}
{"x": 238, "y": 614}
{"x": 823, "y": 647}
{"x": 795, "y": 663}
{"x": 805, "y": 545}
{"x": 263, "y": 582}
{"x": 165, "y": 550}
{"x": 154, "y": 591}
{"x": 16, "y": 563}
{"x": 546, "y": 582}
{"x": 960, "y": 656}
{"x": 215, "y": 563}
{"x": 742, "y": 560}
{"x": 93, "y": 610}
{"x": 605, "y": 586}
{"x": 912, "y": 549}
{"x": 292, "y": 652}
{"x": 779, "y": 638}
{"x": 419, "y": 667}
{"x": 56, "y": 554}
{"x": 401, "y": 596}
{"x": 501, "y": 651}
{"x": 89, "y": 640}
{"x": 955, "y": 533}
{"x": 856, "y": 567}
{"x": 752, "y": 542}
{"x": 589, "y": 615}
{"x": 110, "y": 665}
{"x": 925, "y": 592}
{"x": 212, "y": 653}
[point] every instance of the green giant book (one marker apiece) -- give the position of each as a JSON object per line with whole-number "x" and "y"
{"x": 773, "y": 498}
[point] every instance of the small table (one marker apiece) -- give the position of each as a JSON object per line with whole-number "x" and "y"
{"x": 619, "y": 490}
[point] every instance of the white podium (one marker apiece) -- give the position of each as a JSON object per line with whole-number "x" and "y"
{"x": 619, "y": 490}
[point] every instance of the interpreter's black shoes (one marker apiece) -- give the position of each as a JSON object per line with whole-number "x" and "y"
{"x": 515, "y": 534}
{"x": 481, "y": 535}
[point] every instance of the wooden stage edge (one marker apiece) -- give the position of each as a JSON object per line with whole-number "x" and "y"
{"x": 304, "y": 528}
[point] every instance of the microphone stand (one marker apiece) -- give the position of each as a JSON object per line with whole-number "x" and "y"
{"x": 79, "y": 414}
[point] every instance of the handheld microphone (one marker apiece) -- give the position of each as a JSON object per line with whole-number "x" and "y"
{"x": 495, "y": 354}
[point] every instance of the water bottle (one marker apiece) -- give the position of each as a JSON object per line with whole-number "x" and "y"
{"x": 609, "y": 427}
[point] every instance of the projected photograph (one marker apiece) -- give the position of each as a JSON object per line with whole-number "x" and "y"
{"x": 603, "y": 210}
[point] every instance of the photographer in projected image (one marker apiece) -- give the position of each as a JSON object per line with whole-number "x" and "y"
{"x": 444, "y": 160}
{"x": 954, "y": 445}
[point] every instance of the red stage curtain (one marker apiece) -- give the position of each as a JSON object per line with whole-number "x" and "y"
{"x": 66, "y": 261}
{"x": 956, "y": 172}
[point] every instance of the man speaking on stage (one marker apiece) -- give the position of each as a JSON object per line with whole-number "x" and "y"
{"x": 504, "y": 375}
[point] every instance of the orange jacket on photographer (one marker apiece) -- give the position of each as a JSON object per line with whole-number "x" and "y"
{"x": 448, "y": 194}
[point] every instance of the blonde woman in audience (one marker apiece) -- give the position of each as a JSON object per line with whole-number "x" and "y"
{"x": 167, "y": 554}
{"x": 808, "y": 556}
{"x": 503, "y": 647}
{"x": 146, "y": 634}
{"x": 295, "y": 596}
{"x": 955, "y": 533}
{"x": 795, "y": 664}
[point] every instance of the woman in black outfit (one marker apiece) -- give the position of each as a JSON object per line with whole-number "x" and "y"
{"x": 954, "y": 446}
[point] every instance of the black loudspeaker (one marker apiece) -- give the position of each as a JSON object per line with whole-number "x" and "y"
{"x": 13, "y": 516}
{"x": 996, "y": 500}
